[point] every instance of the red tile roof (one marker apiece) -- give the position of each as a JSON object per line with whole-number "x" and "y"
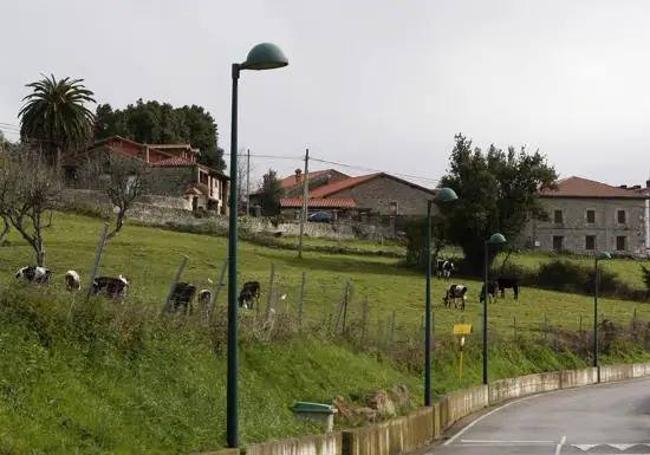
{"x": 335, "y": 187}
{"x": 296, "y": 202}
{"x": 173, "y": 161}
{"x": 290, "y": 181}
{"x": 579, "y": 187}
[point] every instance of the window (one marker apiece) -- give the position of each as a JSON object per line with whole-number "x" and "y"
{"x": 621, "y": 240}
{"x": 558, "y": 243}
{"x": 591, "y": 216}
{"x": 557, "y": 217}
{"x": 203, "y": 178}
{"x": 590, "y": 242}
{"x": 620, "y": 216}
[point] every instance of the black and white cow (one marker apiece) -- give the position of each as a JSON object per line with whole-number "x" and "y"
{"x": 115, "y": 288}
{"x": 182, "y": 297}
{"x": 493, "y": 287}
{"x": 34, "y": 274}
{"x": 444, "y": 268}
{"x": 456, "y": 293}
{"x": 72, "y": 280}
{"x": 249, "y": 294}
{"x": 508, "y": 283}
{"x": 205, "y": 297}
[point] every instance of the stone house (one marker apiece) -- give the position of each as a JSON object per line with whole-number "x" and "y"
{"x": 173, "y": 172}
{"x": 378, "y": 194}
{"x": 586, "y": 216}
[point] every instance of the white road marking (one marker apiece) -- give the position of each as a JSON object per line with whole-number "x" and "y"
{"x": 491, "y": 441}
{"x": 584, "y": 447}
{"x": 474, "y": 422}
{"x": 621, "y": 447}
{"x": 558, "y": 448}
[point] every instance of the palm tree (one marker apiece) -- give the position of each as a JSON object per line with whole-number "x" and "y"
{"x": 54, "y": 115}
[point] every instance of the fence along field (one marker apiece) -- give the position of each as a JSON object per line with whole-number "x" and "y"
{"x": 370, "y": 299}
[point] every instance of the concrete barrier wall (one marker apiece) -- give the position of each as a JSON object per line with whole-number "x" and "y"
{"x": 400, "y": 435}
{"x": 322, "y": 444}
{"x": 456, "y": 405}
{"x": 577, "y": 378}
{"x": 507, "y": 389}
{"x": 613, "y": 373}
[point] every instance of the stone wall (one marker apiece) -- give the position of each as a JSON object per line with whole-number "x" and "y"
{"x": 380, "y": 195}
{"x": 574, "y": 227}
{"x": 173, "y": 212}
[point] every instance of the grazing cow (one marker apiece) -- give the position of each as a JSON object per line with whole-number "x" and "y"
{"x": 249, "y": 294}
{"x": 444, "y": 268}
{"x": 72, "y": 280}
{"x": 508, "y": 283}
{"x": 205, "y": 297}
{"x": 182, "y": 297}
{"x": 111, "y": 287}
{"x": 456, "y": 293}
{"x": 493, "y": 287}
{"x": 34, "y": 274}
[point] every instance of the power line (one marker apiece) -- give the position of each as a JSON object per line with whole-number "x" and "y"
{"x": 366, "y": 169}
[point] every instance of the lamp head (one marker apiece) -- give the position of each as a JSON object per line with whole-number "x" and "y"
{"x": 603, "y": 256}
{"x": 265, "y": 56}
{"x": 497, "y": 239}
{"x": 445, "y": 194}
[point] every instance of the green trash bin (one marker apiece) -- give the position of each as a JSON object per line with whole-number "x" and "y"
{"x": 322, "y": 414}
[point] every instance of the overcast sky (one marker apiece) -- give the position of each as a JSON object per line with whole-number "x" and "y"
{"x": 383, "y": 84}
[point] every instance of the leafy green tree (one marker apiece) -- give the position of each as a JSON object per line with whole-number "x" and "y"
{"x": 55, "y": 115}
{"x": 158, "y": 123}
{"x": 270, "y": 193}
{"x": 497, "y": 193}
{"x": 416, "y": 255}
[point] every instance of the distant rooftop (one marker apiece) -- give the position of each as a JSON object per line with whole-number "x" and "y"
{"x": 579, "y": 187}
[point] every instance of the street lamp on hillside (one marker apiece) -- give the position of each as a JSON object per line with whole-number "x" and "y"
{"x": 263, "y": 56}
{"x": 495, "y": 240}
{"x": 602, "y": 256}
{"x": 443, "y": 195}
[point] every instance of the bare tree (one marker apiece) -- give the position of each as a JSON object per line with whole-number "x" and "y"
{"x": 29, "y": 187}
{"x": 122, "y": 180}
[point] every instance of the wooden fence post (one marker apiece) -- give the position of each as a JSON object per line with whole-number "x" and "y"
{"x": 177, "y": 277}
{"x": 269, "y": 300}
{"x": 301, "y": 298}
{"x": 218, "y": 286}
{"x": 364, "y": 319}
{"x": 98, "y": 258}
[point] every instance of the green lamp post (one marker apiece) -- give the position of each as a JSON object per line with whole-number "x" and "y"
{"x": 443, "y": 195}
{"x": 263, "y": 56}
{"x": 495, "y": 240}
{"x": 602, "y": 256}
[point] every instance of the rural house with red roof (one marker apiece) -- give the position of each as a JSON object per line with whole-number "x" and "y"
{"x": 376, "y": 194}
{"x": 174, "y": 171}
{"x": 586, "y": 216}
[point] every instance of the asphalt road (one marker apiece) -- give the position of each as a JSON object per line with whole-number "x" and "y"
{"x": 602, "y": 419}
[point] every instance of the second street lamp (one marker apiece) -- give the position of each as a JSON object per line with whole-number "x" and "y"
{"x": 442, "y": 195}
{"x": 264, "y": 56}
{"x": 494, "y": 240}
{"x": 599, "y": 257}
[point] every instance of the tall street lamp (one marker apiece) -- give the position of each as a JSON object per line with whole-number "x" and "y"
{"x": 599, "y": 257}
{"x": 263, "y": 56}
{"x": 494, "y": 240}
{"x": 442, "y": 195}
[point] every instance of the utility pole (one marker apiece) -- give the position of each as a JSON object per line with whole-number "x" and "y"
{"x": 248, "y": 182}
{"x": 305, "y": 196}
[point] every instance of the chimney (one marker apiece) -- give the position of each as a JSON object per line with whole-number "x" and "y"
{"x": 298, "y": 175}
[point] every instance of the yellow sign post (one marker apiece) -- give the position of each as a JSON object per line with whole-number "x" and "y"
{"x": 461, "y": 331}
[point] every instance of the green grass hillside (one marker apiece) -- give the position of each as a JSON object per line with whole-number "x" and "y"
{"x": 100, "y": 377}
{"x": 149, "y": 257}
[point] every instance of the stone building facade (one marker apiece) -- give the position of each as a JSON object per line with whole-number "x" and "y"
{"x": 587, "y": 217}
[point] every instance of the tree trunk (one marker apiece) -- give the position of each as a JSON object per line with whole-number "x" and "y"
{"x": 119, "y": 223}
{"x": 5, "y": 231}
